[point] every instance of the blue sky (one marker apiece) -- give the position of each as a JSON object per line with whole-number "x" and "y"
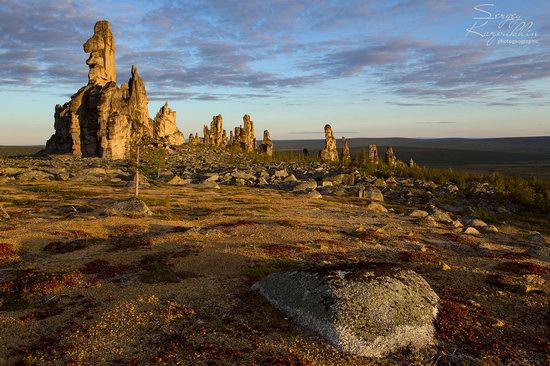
{"x": 372, "y": 68}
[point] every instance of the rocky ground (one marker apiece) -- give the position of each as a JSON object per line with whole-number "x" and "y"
{"x": 82, "y": 284}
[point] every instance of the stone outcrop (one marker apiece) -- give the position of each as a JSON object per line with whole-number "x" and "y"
{"x": 391, "y": 159}
{"x": 364, "y": 311}
{"x": 243, "y": 137}
{"x": 346, "y": 155}
{"x": 373, "y": 154}
{"x": 101, "y": 47}
{"x": 103, "y": 119}
{"x": 216, "y": 132}
{"x": 194, "y": 140}
{"x": 247, "y": 140}
{"x": 329, "y": 153}
{"x": 266, "y": 146}
{"x": 164, "y": 126}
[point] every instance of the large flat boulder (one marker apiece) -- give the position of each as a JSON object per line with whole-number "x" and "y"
{"x": 367, "y": 310}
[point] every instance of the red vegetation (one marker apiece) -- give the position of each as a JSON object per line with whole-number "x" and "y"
{"x": 7, "y": 253}
{"x": 281, "y": 250}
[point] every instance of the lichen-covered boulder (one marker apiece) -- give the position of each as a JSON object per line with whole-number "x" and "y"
{"x": 367, "y": 310}
{"x": 132, "y": 208}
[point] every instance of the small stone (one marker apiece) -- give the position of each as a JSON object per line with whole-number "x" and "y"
{"x": 499, "y": 323}
{"x": 418, "y": 214}
{"x": 314, "y": 194}
{"x": 291, "y": 178}
{"x": 445, "y": 267}
{"x": 491, "y": 229}
{"x": 280, "y": 173}
{"x": 3, "y": 214}
{"x": 376, "y": 207}
{"x": 133, "y": 208}
{"x": 477, "y": 223}
{"x": 457, "y": 224}
{"x": 472, "y": 231}
{"x": 373, "y": 194}
{"x": 178, "y": 181}
{"x": 262, "y": 182}
{"x": 305, "y": 186}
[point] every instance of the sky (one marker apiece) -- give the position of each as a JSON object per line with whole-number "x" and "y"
{"x": 370, "y": 68}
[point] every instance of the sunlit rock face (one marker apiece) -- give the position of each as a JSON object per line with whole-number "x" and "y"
{"x": 103, "y": 119}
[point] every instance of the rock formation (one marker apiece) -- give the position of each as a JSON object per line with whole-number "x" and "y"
{"x": 391, "y": 159}
{"x": 164, "y": 126}
{"x": 216, "y": 132}
{"x": 247, "y": 134}
{"x": 102, "y": 119}
{"x": 373, "y": 154}
{"x": 369, "y": 312}
{"x": 243, "y": 137}
{"x": 206, "y": 135}
{"x": 346, "y": 155}
{"x": 329, "y": 153}
{"x": 194, "y": 140}
{"x": 267, "y": 145}
{"x": 101, "y": 47}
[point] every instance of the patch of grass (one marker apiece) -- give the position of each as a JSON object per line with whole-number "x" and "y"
{"x": 484, "y": 215}
{"x": 282, "y": 250}
{"x": 46, "y": 189}
{"x": 257, "y": 273}
{"x": 420, "y": 257}
{"x": 127, "y": 229}
{"x": 72, "y": 234}
{"x": 157, "y": 201}
{"x": 533, "y": 193}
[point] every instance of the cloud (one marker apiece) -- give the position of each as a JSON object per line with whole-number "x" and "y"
{"x": 229, "y": 49}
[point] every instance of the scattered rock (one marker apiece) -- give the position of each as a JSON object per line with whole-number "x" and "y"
{"x": 472, "y": 231}
{"x": 371, "y": 194}
{"x": 308, "y": 185}
{"x": 178, "y": 181}
{"x": 282, "y": 173}
{"x": 3, "y": 214}
{"x": 291, "y": 178}
{"x": 132, "y": 208}
{"x": 439, "y": 215}
{"x": 477, "y": 223}
{"x": 314, "y": 194}
{"x": 418, "y": 214}
{"x": 490, "y": 229}
{"x": 365, "y": 312}
{"x": 376, "y": 207}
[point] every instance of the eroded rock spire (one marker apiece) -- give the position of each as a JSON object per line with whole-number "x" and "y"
{"x": 101, "y": 47}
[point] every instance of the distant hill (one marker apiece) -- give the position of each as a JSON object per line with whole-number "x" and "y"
{"x": 525, "y": 156}
{"x": 19, "y": 150}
